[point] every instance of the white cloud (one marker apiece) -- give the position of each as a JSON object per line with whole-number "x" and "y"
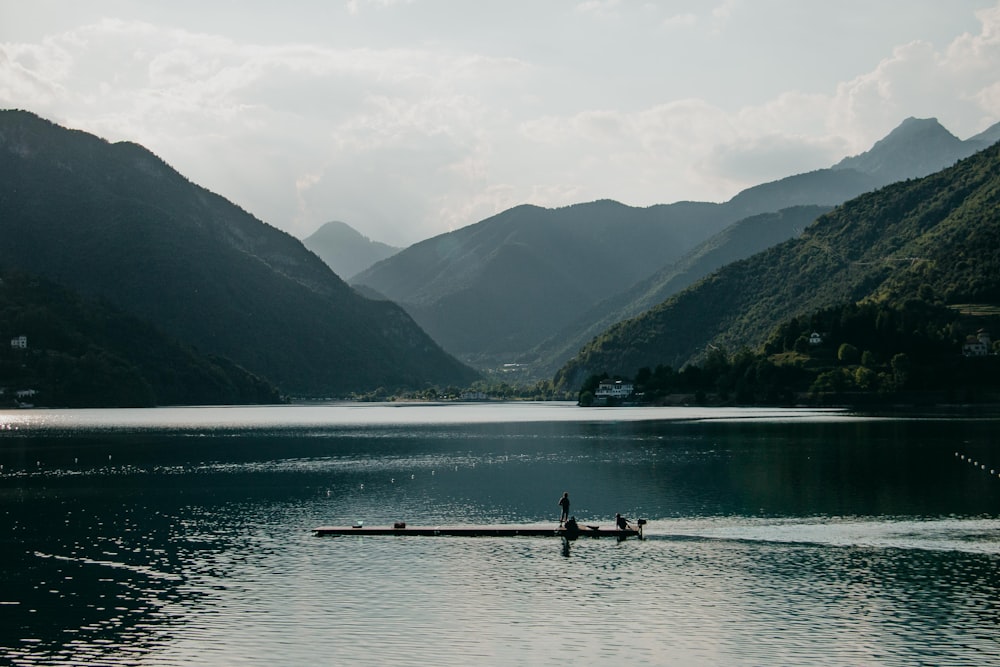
{"x": 355, "y": 7}
{"x": 426, "y": 135}
{"x": 725, "y": 11}
{"x": 685, "y": 20}
{"x": 602, "y": 9}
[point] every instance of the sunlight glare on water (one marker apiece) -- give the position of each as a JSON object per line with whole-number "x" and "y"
{"x": 375, "y": 414}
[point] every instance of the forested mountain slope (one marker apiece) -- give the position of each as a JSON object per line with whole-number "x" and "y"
{"x": 116, "y": 222}
{"x": 532, "y": 284}
{"x": 86, "y": 353}
{"x": 500, "y": 286}
{"x": 739, "y": 240}
{"x": 937, "y": 237}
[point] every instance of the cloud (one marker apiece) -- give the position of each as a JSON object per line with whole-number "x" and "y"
{"x": 602, "y": 9}
{"x": 355, "y": 7}
{"x": 921, "y": 80}
{"x": 409, "y": 140}
{"x": 270, "y": 119}
{"x": 725, "y": 10}
{"x": 671, "y": 149}
{"x": 685, "y": 20}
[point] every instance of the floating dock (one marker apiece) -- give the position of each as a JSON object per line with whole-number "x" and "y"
{"x": 485, "y": 531}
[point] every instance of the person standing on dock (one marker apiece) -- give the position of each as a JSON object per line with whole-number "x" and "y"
{"x": 564, "y": 504}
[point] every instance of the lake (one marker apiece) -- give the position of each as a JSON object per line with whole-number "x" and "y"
{"x": 182, "y": 536}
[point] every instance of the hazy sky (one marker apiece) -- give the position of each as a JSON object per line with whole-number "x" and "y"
{"x": 406, "y": 119}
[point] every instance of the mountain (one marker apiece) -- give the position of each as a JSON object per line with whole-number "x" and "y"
{"x": 85, "y": 353}
{"x": 523, "y": 285}
{"x": 113, "y": 221}
{"x": 493, "y": 291}
{"x": 823, "y": 187}
{"x": 345, "y": 250}
{"x": 917, "y": 147}
{"x": 490, "y": 291}
{"x": 987, "y": 137}
{"x": 738, "y": 241}
{"x": 936, "y": 239}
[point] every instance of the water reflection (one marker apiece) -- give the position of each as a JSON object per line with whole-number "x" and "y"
{"x": 804, "y": 543}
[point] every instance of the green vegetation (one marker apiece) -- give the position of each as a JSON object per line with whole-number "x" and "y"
{"x": 934, "y": 240}
{"x": 867, "y": 354}
{"x": 523, "y": 284}
{"x": 481, "y": 390}
{"x": 84, "y": 353}
{"x": 738, "y": 241}
{"x": 490, "y": 291}
{"x": 114, "y": 222}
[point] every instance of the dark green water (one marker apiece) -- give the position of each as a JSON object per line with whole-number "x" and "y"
{"x": 183, "y": 537}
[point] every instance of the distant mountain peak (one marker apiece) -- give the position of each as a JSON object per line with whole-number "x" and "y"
{"x": 916, "y": 129}
{"x": 346, "y": 250}
{"x": 912, "y": 123}
{"x": 912, "y": 129}
{"x": 915, "y": 148}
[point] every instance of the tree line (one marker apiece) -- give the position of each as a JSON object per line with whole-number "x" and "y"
{"x": 853, "y": 353}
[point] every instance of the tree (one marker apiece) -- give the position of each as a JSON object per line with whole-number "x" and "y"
{"x": 901, "y": 368}
{"x": 865, "y": 378}
{"x": 847, "y": 354}
{"x": 593, "y": 382}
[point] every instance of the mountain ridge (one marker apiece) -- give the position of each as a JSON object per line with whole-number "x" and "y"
{"x": 471, "y": 288}
{"x": 741, "y": 239}
{"x": 453, "y": 284}
{"x": 936, "y": 237}
{"x": 116, "y": 222}
{"x": 86, "y": 353}
{"x": 915, "y": 148}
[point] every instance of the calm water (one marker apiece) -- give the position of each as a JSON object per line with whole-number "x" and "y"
{"x": 182, "y": 536}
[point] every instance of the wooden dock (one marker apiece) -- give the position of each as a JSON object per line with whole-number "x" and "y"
{"x": 485, "y": 531}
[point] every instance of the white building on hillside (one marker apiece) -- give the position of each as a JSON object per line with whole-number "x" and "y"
{"x": 614, "y": 389}
{"x": 19, "y": 342}
{"x": 978, "y": 345}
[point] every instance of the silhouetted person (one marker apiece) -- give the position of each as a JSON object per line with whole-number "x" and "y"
{"x": 622, "y": 522}
{"x": 572, "y": 529}
{"x": 564, "y": 504}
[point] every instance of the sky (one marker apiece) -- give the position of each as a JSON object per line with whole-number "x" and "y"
{"x": 410, "y": 118}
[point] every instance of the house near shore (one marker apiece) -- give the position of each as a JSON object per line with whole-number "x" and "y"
{"x": 614, "y": 389}
{"x": 978, "y": 345}
{"x": 19, "y": 342}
